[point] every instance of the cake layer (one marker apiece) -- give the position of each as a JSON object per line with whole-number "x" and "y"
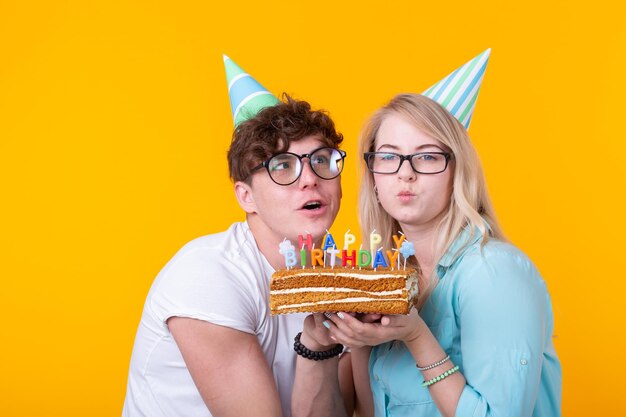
{"x": 329, "y": 280}
{"x": 355, "y": 306}
{"x": 343, "y": 289}
{"x": 328, "y": 294}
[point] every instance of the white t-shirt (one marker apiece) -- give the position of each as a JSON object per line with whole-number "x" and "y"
{"x": 222, "y": 279}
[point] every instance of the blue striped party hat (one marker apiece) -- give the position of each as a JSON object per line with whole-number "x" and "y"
{"x": 247, "y": 96}
{"x": 459, "y": 90}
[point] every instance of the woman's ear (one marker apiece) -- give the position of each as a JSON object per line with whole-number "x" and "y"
{"x": 243, "y": 192}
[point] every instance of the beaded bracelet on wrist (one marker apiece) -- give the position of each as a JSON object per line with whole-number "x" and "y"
{"x": 440, "y": 377}
{"x": 434, "y": 365}
{"x": 314, "y": 355}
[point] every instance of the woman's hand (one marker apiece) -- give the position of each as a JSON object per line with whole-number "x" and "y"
{"x": 369, "y": 331}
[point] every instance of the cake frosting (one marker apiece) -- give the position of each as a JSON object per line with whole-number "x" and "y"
{"x": 348, "y": 289}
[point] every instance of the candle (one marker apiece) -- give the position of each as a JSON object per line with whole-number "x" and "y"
{"x": 361, "y": 251}
{"x": 316, "y": 257}
{"x": 348, "y": 256}
{"x": 398, "y": 241}
{"x": 375, "y": 239}
{"x": 308, "y": 242}
{"x": 333, "y": 253}
{"x": 302, "y": 257}
{"x": 393, "y": 254}
{"x": 348, "y": 239}
{"x": 379, "y": 259}
{"x": 329, "y": 242}
{"x": 364, "y": 258}
{"x": 287, "y": 249}
{"x": 407, "y": 249}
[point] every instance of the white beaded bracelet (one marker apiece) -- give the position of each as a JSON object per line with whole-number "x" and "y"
{"x": 434, "y": 365}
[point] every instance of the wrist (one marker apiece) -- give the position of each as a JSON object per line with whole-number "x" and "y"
{"x": 416, "y": 333}
{"x": 307, "y": 353}
{"x": 312, "y": 344}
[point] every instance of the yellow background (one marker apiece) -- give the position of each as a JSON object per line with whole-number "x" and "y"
{"x": 115, "y": 120}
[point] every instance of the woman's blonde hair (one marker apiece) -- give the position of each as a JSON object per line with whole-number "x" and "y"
{"x": 470, "y": 204}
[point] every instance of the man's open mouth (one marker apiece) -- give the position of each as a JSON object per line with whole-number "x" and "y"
{"x": 312, "y": 205}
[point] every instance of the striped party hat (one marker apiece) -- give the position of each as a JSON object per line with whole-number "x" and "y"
{"x": 247, "y": 96}
{"x": 459, "y": 90}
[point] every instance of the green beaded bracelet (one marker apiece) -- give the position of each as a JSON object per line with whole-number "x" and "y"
{"x": 440, "y": 377}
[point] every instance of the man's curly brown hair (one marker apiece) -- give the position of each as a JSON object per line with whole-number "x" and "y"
{"x": 272, "y": 130}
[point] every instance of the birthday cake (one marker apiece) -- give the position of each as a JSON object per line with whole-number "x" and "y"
{"x": 373, "y": 283}
{"x": 310, "y": 290}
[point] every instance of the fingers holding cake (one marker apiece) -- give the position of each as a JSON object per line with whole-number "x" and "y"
{"x": 404, "y": 327}
{"x": 349, "y": 330}
{"x": 315, "y": 334}
{"x": 372, "y": 329}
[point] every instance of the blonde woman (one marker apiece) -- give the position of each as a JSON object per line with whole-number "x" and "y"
{"x": 480, "y": 341}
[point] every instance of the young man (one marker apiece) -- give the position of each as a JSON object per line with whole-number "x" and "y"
{"x": 206, "y": 344}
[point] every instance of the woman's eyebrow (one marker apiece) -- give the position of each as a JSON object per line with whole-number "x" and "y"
{"x": 385, "y": 145}
{"x": 419, "y": 148}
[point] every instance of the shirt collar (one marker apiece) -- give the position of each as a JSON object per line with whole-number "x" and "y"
{"x": 459, "y": 246}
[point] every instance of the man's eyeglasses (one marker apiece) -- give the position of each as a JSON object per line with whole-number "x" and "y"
{"x": 422, "y": 162}
{"x": 285, "y": 168}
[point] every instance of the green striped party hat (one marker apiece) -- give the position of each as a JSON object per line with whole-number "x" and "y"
{"x": 247, "y": 96}
{"x": 459, "y": 90}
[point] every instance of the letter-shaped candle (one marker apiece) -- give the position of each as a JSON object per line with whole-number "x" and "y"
{"x": 316, "y": 257}
{"x": 375, "y": 239}
{"x": 287, "y": 249}
{"x": 308, "y": 242}
{"x": 290, "y": 258}
{"x": 303, "y": 257}
{"x": 348, "y": 256}
{"x": 379, "y": 259}
{"x": 333, "y": 253}
{"x": 364, "y": 258}
{"x": 348, "y": 239}
{"x": 329, "y": 242}
{"x": 397, "y": 241}
{"x": 392, "y": 255}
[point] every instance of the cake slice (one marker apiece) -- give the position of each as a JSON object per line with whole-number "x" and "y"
{"x": 311, "y": 290}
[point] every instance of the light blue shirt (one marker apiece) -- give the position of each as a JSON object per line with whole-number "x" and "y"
{"x": 491, "y": 312}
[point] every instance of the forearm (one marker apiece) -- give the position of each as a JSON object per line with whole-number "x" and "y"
{"x": 364, "y": 402}
{"x": 446, "y": 393}
{"x": 316, "y": 390}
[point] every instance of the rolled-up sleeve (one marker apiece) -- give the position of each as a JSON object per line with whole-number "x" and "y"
{"x": 503, "y": 313}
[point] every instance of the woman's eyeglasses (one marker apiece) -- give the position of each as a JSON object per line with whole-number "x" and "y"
{"x": 422, "y": 162}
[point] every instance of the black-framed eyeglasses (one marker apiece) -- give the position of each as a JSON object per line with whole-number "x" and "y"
{"x": 285, "y": 168}
{"x": 421, "y": 162}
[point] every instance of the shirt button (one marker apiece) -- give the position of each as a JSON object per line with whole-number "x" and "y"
{"x": 376, "y": 378}
{"x": 524, "y": 362}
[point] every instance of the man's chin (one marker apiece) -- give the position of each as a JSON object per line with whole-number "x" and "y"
{"x": 317, "y": 229}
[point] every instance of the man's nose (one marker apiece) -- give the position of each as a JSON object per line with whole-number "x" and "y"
{"x": 307, "y": 178}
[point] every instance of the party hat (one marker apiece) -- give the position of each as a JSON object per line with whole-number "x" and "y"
{"x": 247, "y": 96}
{"x": 459, "y": 90}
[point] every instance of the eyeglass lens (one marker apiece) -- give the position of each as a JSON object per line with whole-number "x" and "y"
{"x": 285, "y": 168}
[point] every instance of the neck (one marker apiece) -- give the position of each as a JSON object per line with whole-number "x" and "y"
{"x": 423, "y": 240}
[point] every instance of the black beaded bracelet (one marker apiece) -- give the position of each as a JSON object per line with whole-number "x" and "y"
{"x": 311, "y": 354}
